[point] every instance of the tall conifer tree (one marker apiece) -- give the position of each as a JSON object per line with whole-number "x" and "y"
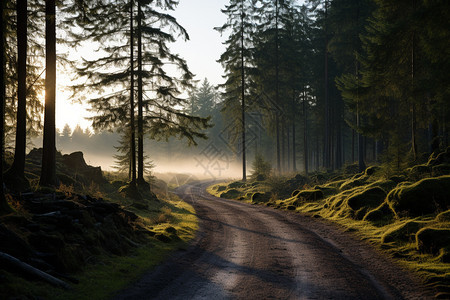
{"x": 48, "y": 173}
{"x": 236, "y": 62}
{"x": 16, "y": 174}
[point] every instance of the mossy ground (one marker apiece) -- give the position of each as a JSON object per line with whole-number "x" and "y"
{"x": 406, "y": 215}
{"x": 169, "y": 224}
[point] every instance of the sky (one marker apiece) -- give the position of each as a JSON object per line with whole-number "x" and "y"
{"x": 201, "y": 51}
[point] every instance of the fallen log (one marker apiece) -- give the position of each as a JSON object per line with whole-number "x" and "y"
{"x": 32, "y": 270}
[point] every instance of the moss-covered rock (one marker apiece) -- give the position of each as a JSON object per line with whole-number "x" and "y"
{"x": 230, "y": 194}
{"x": 295, "y": 193}
{"x": 236, "y": 184}
{"x": 426, "y": 196}
{"x": 310, "y": 195}
{"x": 221, "y": 188}
{"x": 439, "y": 158}
{"x": 326, "y": 190}
{"x": 405, "y": 231}
{"x": 443, "y": 216}
{"x": 371, "y": 198}
{"x": 371, "y": 170}
{"x": 397, "y": 178}
{"x": 379, "y": 215}
{"x": 439, "y": 170}
{"x": 357, "y": 180}
{"x": 351, "y": 169}
{"x": 431, "y": 240}
{"x": 130, "y": 191}
{"x": 419, "y": 171}
{"x": 261, "y": 197}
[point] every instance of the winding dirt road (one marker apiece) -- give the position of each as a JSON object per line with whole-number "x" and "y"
{"x": 244, "y": 251}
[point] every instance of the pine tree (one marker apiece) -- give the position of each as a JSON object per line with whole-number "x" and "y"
{"x": 16, "y": 174}
{"x": 348, "y": 20}
{"x": 158, "y": 93}
{"x": 48, "y": 172}
{"x": 34, "y": 70}
{"x": 4, "y": 207}
{"x": 236, "y": 62}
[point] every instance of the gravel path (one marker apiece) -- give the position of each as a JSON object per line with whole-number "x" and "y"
{"x": 244, "y": 251}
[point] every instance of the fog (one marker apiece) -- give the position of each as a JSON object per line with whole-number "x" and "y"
{"x": 193, "y": 165}
{"x": 166, "y": 159}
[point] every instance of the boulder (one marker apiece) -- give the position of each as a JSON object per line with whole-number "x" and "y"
{"x": 426, "y": 196}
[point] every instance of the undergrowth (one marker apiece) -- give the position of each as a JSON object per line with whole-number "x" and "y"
{"x": 168, "y": 224}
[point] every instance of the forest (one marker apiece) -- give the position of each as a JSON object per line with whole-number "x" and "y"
{"x": 311, "y": 90}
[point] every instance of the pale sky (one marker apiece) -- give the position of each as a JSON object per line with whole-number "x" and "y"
{"x": 198, "y": 17}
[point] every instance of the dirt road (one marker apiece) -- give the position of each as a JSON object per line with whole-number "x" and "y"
{"x": 253, "y": 252}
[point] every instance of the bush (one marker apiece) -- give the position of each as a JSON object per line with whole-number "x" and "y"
{"x": 261, "y": 168}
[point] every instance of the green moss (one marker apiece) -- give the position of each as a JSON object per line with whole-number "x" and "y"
{"x": 371, "y": 170}
{"x": 230, "y": 194}
{"x": 386, "y": 185}
{"x": 261, "y": 197}
{"x": 326, "y": 190}
{"x": 439, "y": 170}
{"x": 431, "y": 240}
{"x": 310, "y": 195}
{"x": 443, "y": 216}
{"x": 221, "y": 188}
{"x": 371, "y": 197}
{"x": 357, "y": 180}
{"x": 419, "y": 171}
{"x": 397, "y": 178}
{"x": 426, "y": 196}
{"x": 236, "y": 184}
{"x": 404, "y": 231}
{"x": 380, "y": 215}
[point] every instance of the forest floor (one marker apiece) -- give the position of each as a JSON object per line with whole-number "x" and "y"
{"x": 405, "y": 215}
{"x": 87, "y": 234}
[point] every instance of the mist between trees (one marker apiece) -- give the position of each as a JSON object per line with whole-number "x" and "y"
{"x": 308, "y": 87}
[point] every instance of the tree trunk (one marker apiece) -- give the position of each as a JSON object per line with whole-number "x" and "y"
{"x": 48, "y": 172}
{"x": 140, "y": 170}
{"x": 4, "y": 207}
{"x": 283, "y": 148}
{"x": 18, "y": 166}
{"x": 413, "y": 105}
{"x": 326, "y": 156}
{"x": 244, "y": 162}
{"x": 353, "y": 145}
{"x": 288, "y": 147}
{"x": 277, "y": 120}
{"x": 305, "y": 133}
{"x": 294, "y": 161}
{"x": 132, "y": 125}
{"x": 35, "y": 273}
